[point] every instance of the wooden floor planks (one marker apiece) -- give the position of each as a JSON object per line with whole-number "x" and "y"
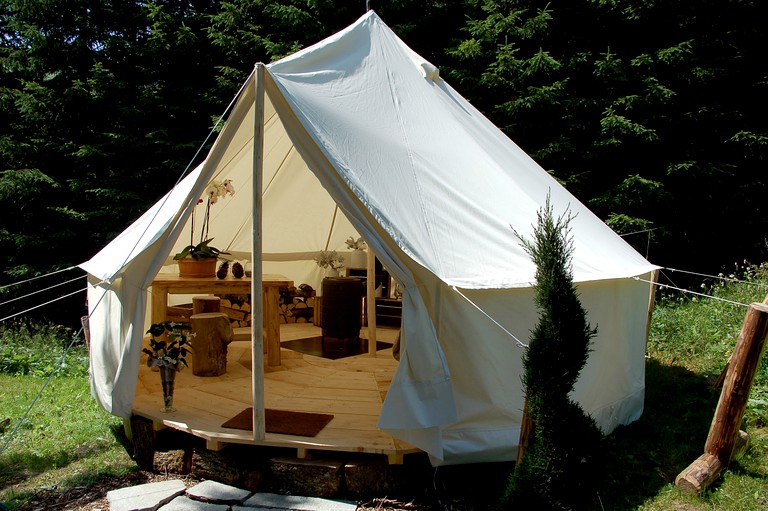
{"x": 352, "y": 389}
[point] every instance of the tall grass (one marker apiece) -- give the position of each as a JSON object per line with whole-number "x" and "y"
{"x": 67, "y": 441}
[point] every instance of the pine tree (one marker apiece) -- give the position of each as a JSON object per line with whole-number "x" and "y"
{"x": 644, "y": 110}
{"x": 556, "y": 471}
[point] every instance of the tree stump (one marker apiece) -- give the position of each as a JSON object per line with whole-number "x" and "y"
{"x": 213, "y": 334}
{"x": 202, "y": 304}
{"x": 143, "y": 438}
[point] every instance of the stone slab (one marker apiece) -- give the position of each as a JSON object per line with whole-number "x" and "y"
{"x": 213, "y": 491}
{"x": 145, "y": 497}
{"x": 294, "y": 503}
{"x": 184, "y": 503}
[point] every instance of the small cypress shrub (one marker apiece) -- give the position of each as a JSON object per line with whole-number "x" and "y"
{"x": 558, "y": 470}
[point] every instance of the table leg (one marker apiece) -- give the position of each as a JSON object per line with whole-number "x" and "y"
{"x": 159, "y": 303}
{"x": 272, "y": 325}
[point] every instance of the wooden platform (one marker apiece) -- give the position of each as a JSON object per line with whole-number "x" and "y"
{"x": 351, "y": 388}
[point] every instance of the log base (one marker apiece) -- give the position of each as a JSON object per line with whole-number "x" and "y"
{"x": 209, "y": 346}
{"x": 699, "y": 474}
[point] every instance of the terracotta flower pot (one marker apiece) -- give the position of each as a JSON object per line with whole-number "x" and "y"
{"x": 197, "y": 268}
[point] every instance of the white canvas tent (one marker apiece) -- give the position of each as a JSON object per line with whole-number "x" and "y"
{"x": 361, "y": 135}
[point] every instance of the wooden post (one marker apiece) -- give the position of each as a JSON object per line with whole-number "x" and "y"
{"x": 144, "y": 438}
{"x": 720, "y": 379}
{"x": 209, "y": 346}
{"x": 526, "y": 434}
{"x": 724, "y": 431}
{"x": 370, "y": 302}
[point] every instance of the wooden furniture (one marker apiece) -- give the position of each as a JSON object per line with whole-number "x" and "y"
{"x": 389, "y": 312}
{"x": 381, "y": 277}
{"x": 164, "y": 285}
{"x": 212, "y": 335}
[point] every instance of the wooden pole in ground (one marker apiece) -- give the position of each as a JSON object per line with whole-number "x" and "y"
{"x": 723, "y": 433}
{"x": 720, "y": 379}
{"x": 526, "y": 435}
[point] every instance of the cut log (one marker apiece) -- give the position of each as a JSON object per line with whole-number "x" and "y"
{"x": 700, "y": 474}
{"x": 202, "y": 304}
{"x": 144, "y": 438}
{"x": 213, "y": 334}
{"x": 233, "y": 314}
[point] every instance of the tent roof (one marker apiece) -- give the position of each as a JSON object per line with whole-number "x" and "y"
{"x": 447, "y": 185}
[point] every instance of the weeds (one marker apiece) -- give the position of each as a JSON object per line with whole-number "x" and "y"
{"x": 37, "y": 350}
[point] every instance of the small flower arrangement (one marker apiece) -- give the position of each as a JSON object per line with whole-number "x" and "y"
{"x": 329, "y": 259}
{"x": 203, "y": 250}
{"x": 356, "y": 244}
{"x": 171, "y": 353}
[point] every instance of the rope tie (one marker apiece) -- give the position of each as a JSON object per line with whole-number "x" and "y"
{"x": 42, "y": 305}
{"x": 520, "y": 344}
{"x": 35, "y": 278}
{"x": 41, "y": 290}
{"x": 691, "y": 292}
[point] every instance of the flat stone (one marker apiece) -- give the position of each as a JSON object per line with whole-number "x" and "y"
{"x": 145, "y": 497}
{"x": 184, "y": 503}
{"x": 294, "y": 503}
{"x": 213, "y": 491}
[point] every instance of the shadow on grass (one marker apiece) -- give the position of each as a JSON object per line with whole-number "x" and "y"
{"x": 16, "y": 467}
{"x": 643, "y": 457}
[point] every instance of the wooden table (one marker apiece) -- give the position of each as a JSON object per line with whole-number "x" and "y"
{"x": 165, "y": 285}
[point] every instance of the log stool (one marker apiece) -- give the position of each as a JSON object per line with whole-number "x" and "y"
{"x": 213, "y": 334}
{"x": 206, "y": 304}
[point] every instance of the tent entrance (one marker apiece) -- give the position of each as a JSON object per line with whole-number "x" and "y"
{"x": 352, "y": 389}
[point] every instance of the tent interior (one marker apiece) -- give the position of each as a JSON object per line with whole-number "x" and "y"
{"x": 359, "y": 136}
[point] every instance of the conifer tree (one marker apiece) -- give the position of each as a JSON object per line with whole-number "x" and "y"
{"x": 555, "y": 472}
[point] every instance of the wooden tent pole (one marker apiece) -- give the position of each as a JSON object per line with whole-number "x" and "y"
{"x": 720, "y": 379}
{"x": 257, "y": 297}
{"x": 370, "y": 302}
{"x": 724, "y": 433}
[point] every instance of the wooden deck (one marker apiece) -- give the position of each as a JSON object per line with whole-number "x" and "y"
{"x": 351, "y": 388}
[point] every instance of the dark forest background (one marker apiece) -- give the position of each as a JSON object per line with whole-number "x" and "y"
{"x": 651, "y": 112}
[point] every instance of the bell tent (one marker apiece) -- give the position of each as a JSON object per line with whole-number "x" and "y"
{"x": 358, "y": 135}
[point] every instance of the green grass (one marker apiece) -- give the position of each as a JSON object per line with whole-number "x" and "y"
{"x": 691, "y": 338}
{"x": 67, "y": 441}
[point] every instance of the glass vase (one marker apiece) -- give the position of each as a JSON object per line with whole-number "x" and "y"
{"x": 168, "y": 378}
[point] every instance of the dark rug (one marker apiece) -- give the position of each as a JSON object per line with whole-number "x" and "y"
{"x": 333, "y": 349}
{"x": 282, "y": 421}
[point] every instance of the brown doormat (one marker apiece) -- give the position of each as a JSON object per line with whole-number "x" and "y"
{"x": 282, "y": 421}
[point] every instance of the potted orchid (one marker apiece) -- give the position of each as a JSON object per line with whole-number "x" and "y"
{"x": 193, "y": 256}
